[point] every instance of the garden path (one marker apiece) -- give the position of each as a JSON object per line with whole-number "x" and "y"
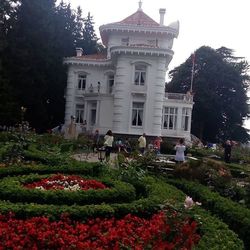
{"x": 93, "y": 157}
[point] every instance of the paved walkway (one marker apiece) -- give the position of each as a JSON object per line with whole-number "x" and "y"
{"x": 93, "y": 157}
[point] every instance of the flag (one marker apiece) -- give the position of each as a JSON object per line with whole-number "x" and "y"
{"x": 192, "y": 72}
{"x": 193, "y": 58}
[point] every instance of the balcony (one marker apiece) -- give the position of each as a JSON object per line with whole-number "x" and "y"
{"x": 178, "y": 97}
{"x": 95, "y": 91}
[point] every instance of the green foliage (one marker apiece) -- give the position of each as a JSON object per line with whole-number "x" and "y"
{"x": 35, "y": 37}
{"x": 233, "y": 214}
{"x": 11, "y": 189}
{"x": 220, "y": 91}
{"x": 72, "y": 167}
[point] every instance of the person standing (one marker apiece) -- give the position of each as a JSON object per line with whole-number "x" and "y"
{"x": 142, "y": 143}
{"x": 157, "y": 145}
{"x": 227, "y": 151}
{"x": 180, "y": 149}
{"x": 108, "y": 143}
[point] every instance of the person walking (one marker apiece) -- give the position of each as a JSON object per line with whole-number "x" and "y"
{"x": 227, "y": 151}
{"x": 108, "y": 144}
{"x": 180, "y": 149}
{"x": 142, "y": 143}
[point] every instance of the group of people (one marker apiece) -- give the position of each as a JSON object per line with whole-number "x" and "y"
{"x": 125, "y": 146}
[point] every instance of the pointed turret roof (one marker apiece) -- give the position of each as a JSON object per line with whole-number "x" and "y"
{"x": 139, "y": 18}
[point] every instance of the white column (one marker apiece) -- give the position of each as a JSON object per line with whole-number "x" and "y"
{"x": 158, "y": 96}
{"x": 70, "y": 96}
{"x": 121, "y": 98}
{"x": 179, "y": 120}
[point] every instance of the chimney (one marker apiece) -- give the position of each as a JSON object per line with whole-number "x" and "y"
{"x": 162, "y": 13}
{"x": 79, "y": 52}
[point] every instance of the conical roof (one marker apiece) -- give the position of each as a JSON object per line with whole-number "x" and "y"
{"x": 139, "y": 18}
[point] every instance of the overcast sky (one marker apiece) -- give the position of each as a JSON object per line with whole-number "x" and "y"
{"x": 213, "y": 23}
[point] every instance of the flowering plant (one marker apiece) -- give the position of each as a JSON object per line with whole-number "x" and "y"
{"x": 130, "y": 232}
{"x": 62, "y": 182}
{"x": 189, "y": 203}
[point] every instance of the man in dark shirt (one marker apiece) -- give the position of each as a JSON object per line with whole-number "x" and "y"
{"x": 227, "y": 151}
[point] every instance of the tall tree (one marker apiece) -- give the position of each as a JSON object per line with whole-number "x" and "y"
{"x": 89, "y": 41}
{"x": 41, "y": 35}
{"x": 9, "y": 112}
{"x": 220, "y": 93}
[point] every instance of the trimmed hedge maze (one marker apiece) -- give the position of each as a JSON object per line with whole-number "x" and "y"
{"x": 236, "y": 216}
{"x": 119, "y": 199}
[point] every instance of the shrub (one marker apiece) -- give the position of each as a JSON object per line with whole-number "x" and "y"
{"x": 11, "y": 188}
{"x": 235, "y": 215}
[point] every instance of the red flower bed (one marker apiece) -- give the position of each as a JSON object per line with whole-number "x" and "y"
{"x": 129, "y": 232}
{"x": 63, "y": 182}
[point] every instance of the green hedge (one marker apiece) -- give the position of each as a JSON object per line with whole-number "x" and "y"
{"x": 232, "y": 213}
{"x": 11, "y": 188}
{"x": 33, "y": 154}
{"x": 215, "y": 234}
{"x": 74, "y": 167}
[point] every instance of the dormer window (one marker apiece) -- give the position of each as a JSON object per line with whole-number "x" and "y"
{"x": 125, "y": 41}
{"x": 82, "y": 81}
{"x": 140, "y": 75}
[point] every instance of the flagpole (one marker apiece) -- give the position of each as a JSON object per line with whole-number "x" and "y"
{"x": 192, "y": 73}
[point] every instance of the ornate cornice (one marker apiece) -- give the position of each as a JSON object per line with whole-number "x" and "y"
{"x": 87, "y": 62}
{"x": 141, "y": 51}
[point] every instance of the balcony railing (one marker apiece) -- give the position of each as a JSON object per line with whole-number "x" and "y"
{"x": 177, "y": 96}
{"x": 95, "y": 91}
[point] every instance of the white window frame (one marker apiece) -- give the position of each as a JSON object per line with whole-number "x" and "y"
{"x": 185, "y": 118}
{"x": 110, "y": 82}
{"x": 93, "y": 107}
{"x": 140, "y": 74}
{"x": 136, "y": 112}
{"x": 81, "y": 81}
{"x": 170, "y": 115}
{"x": 79, "y": 113}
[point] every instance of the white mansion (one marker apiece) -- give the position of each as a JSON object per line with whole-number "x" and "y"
{"x": 124, "y": 90}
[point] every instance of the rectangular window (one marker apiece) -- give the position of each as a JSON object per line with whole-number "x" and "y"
{"x": 140, "y": 75}
{"x": 110, "y": 83}
{"x": 169, "y": 118}
{"x": 82, "y": 82}
{"x": 79, "y": 113}
{"x": 93, "y": 113}
{"x": 186, "y": 114}
{"x": 137, "y": 114}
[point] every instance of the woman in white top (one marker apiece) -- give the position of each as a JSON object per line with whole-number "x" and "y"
{"x": 108, "y": 143}
{"x": 180, "y": 149}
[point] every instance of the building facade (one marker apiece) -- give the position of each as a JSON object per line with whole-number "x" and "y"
{"x": 124, "y": 89}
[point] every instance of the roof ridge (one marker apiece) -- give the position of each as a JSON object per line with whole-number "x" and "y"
{"x": 139, "y": 18}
